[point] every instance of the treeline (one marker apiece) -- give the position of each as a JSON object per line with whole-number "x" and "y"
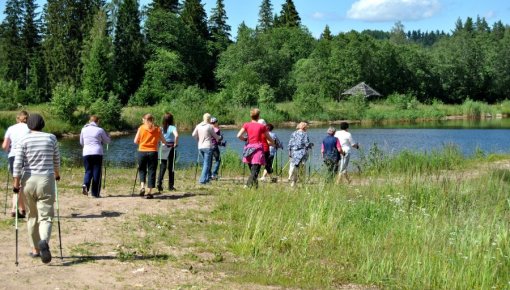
{"x": 89, "y": 56}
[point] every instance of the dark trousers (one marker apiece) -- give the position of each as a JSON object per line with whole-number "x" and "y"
{"x": 147, "y": 165}
{"x": 254, "y": 174}
{"x": 93, "y": 173}
{"x": 163, "y": 166}
{"x": 269, "y": 162}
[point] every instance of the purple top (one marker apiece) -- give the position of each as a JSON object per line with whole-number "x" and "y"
{"x": 92, "y": 139}
{"x": 214, "y": 142}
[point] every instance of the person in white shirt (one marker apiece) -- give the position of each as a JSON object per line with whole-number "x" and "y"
{"x": 12, "y": 136}
{"x": 204, "y": 133}
{"x": 347, "y": 142}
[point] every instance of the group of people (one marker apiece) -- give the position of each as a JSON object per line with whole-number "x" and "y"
{"x": 150, "y": 138}
{"x": 34, "y": 160}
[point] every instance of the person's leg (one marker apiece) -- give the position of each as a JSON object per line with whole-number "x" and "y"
{"x": 161, "y": 175}
{"x": 152, "y": 168}
{"x": 142, "y": 167}
{"x": 45, "y": 200}
{"x": 87, "y": 178}
{"x": 171, "y": 169}
{"x": 254, "y": 173}
{"x": 19, "y": 196}
{"x": 207, "y": 155}
{"x": 97, "y": 161}
{"x": 30, "y": 188}
{"x": 344, "y": 162}
{"x": 293, "y": 170}
{"x": 216, "y": 158}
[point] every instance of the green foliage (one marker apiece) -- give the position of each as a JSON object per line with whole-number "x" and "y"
{"x": 431, "y": 229}
{"x": 505, "y": 107}
{"x": 97, "y": 56}
{"x": 266, "y": 97}
{"x": 108, "y": 111}
{"x": 65, "y": 101}
{"x": 402, "y": 101}
{"x": 356, "y": 106}
{"x": 474, "y": 109}
{"x": 66, "y": 24}
{"x": 129, "y": 50}
{"x": 9, "y": 94}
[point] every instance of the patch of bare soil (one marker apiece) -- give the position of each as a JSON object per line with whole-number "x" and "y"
{"x": 92, "y": 234}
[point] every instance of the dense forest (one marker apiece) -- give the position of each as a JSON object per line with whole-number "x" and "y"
{"x": 102, "y": 56}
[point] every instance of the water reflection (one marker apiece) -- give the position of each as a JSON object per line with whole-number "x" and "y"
{"x": 490, "y": 136}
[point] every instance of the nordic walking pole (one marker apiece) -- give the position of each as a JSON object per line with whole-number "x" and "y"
{"x": 6, "y": 190}
{"x": 58, "y": 221}
{"x": 196, "y": 165}
{"x": 16, "y": 223}
{"x": 134, "y": 184}
{"x": 104, "y": 161}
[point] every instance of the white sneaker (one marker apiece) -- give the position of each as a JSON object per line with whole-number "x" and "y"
{"x": 292, "y": 184}
{"x": 262, "y": 179}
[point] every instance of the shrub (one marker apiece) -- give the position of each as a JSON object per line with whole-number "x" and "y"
{"x": 357, "y": 106}
{"x": 108, "y": 111}
{"x": 9, "y": 95}
{"x": 402, "y": 101}
{"x": 65, "y": 100}
{"x": 472, "y": 109}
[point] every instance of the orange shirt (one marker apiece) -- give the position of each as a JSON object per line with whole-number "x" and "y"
{"x": 148, "y": 138}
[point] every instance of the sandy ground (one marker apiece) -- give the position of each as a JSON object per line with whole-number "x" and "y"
{"x": 97, "y": 223}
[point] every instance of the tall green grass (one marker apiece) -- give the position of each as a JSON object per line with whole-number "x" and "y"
{"x": 423, "y": 229}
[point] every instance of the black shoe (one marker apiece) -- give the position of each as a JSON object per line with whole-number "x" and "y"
{"x": 84, "y": 190}
{"x": 149, "y": 196}
{"x": 172, "y": 188}
{"x": 45, "y": 253}
{"x": 22, "y": 214}
{"x": 160, "y": 188}
{"x": 142, "y": 192}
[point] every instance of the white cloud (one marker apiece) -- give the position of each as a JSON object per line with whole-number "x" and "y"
{"x": 393, "y": 10}
{"x": 490, "y": 14}
{"x": 318, "y": 15}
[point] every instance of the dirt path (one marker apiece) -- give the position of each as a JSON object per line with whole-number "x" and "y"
{"x": 94, "y": 232}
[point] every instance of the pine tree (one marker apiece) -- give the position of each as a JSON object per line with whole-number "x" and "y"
{"x": 266, "y": 19}
{"x": 167, "y": 5}
{"x": 67, "y": 23}
{"x": 289, "y": 16}
{"x": 128, "y": 50}
{"x": 96, "y": 59}
{"x": 11, "y": 41}
{"x": 326, "y": 34}
{"x": 193, "y": 15}
{"x": 218, "y": 22}
{"x": 30, "y": 38}
{"x": 198, "y": 57}
{"x": 220, "y": 38}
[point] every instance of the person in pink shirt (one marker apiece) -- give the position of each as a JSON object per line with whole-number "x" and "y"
{"x": 253, "y": 152}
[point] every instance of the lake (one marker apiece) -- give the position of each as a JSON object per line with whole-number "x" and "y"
{"x": 491, "y": 136}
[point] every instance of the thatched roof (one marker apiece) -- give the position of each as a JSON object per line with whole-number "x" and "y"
{"x": 361, "y": 89}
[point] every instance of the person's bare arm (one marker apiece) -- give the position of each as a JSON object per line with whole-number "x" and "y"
{"x": 6, "y": 144}
{"x": 270, "y": 140}
{"x": 137, "y": 137}
{"x": 176, "y": 135}
{"x": 240, "y": 135}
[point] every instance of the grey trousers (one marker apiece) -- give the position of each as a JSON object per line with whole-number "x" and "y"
{"x": 39, "y": 192}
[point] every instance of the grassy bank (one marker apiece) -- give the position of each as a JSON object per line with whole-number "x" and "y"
{"x": 413, "y": 224}
{"x": 391, "y": 110}
{"x": 435, "y": 220}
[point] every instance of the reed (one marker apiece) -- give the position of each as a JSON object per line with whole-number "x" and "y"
{"x": 426, "y": 228}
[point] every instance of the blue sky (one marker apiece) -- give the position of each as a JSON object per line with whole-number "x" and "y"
{"x": 346, "y": 15}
